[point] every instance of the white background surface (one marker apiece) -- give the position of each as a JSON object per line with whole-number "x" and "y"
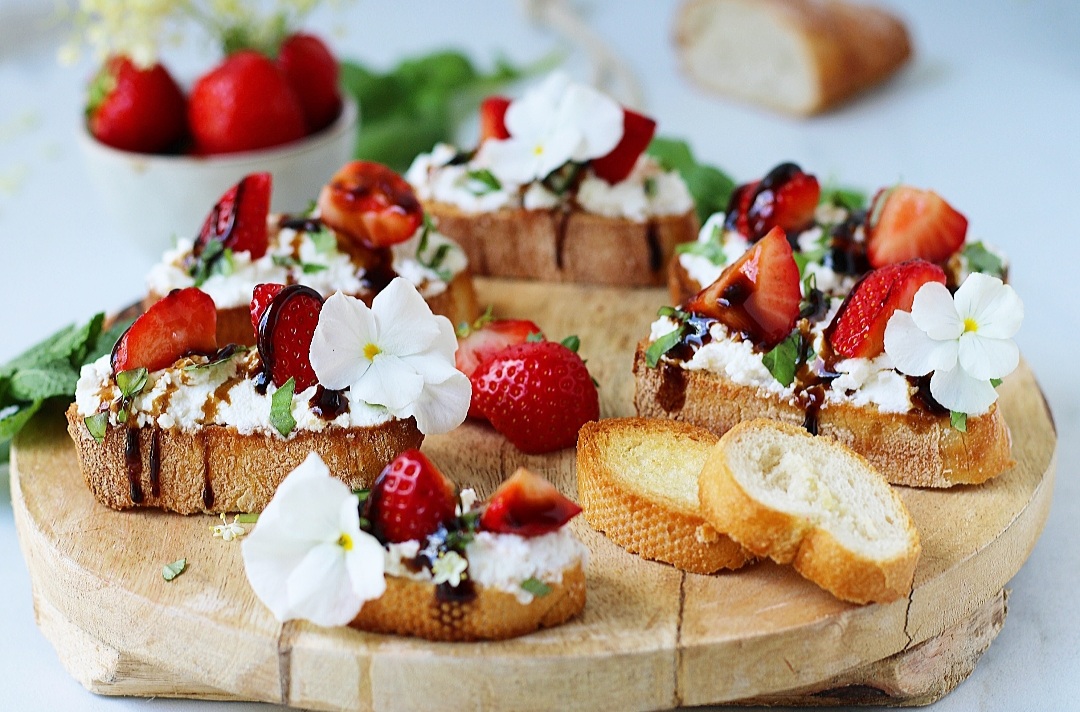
{"x": 986, "y": 115}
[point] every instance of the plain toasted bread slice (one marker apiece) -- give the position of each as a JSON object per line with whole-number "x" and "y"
{"x": 796, "y": 56}
{"x": 811, "y": 502}
{"x": 637, "y": 483}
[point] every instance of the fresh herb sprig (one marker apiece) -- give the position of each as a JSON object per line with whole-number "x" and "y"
{"x": 710, "y": 186}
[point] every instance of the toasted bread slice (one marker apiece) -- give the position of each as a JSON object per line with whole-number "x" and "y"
{"x": 637, "y": 483}
{"x": 916, "y": 448}
{"x": 559, "y": 246}
{"x": 797, "y": 56}
{"x": 411, "y": 608}
{"x": 811, "y": 502}
{"x": 216, "y": 469}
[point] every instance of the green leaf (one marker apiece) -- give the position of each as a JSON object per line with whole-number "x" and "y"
{"x": 661, "y": 346}
{"x": 171, "y": 571}
{"x": 482, "y": 181}
{"x": 958, "y": 420}
{"x": 108, "y": 339}
{"x": 536, "y": 587}
{"x": 783, "y": 360}
{"x": 571, "y": 342}
{"x": 325, "y": 242}
{"x": 995, "y": 382}
{"x": 710, "y": 187}
{"x": 47, "y": 381}
{"x": 842, "y": 197}
{"x": 535, "y": 337}
{"x": 980, "y": 259}
{"x": 247, "y": 518}
{"x": 281, "y": 416}
{"x": 97, "y": 424}
{"x": 14, "y": 417}
{"x": 131, "y": 382}
{"x": 672, "y": 153}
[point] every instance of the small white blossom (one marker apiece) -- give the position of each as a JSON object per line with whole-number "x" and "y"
{"x": 965, "y": 341}
{"x": 228, "y": 530}
{"x": 466, "y": 498}
{"x": 449, "y": 568}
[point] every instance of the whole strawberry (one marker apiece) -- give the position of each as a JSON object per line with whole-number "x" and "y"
{"x": 538, "y": 394}
{"x": 312, "y": 72}
{"x": 409, "y": 499}
{"x": 486, "y": 337}
{"x": 244, "y": 104}
{"x": 141, "y": 110}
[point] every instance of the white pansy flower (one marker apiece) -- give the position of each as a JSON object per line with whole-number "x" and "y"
{"x": 965, "y": 340}
{"x": 227, "y": 530}
{"x": 307, "y": 557}
{"x": 449, "y": 567}
{"x": 395, "y": 354}
{"x": 555, "y": 122}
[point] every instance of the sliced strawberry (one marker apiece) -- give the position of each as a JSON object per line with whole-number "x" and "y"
{"x": 735, "y": 218}
{"x": 785, "y": 198}
{"x": 905, "y": 223}
{"x": 527, "y": 505}
{"x": 238, "y": 220}
{"x": 183, "y": 323}
{"x": 261, "y": 297}
{"x": 410, "y": 499}
{"x": 493, "y": 118}
{"x": 638, "y": 131}
{"x": 284, "y": 335}
{"x": 134, "y": 109}
{"x": 371, "y": 205}
{"x": 858, "y": 331}
{"x": 538, "y": 394}
{"x": 758, "y": 294}
{"x": 312, "y": 71}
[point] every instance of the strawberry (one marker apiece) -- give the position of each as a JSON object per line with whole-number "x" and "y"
{"x": 538, "y": 394}
{"x": 244, "y": 104}
{"x": 735, "y": 217}
{"x": 493, "y": 118}
{"x": 785, "y": 198}
{"x": 481, "y": 340}
{"x": 371, "y": 205}
{"x": 312, "y": 72}
{"x": 183, "y": 322}
{"x": 758, "y": 294}
{"x": 134, "y": 109}
{"x": 410, "y": 499}
{"x": 858, "y": 330}
{"x": 904, "y": 223}
{"x": 638, "y": 131}
{"x": 527, "y": 505}
{"x": 238, "y": 220}
{"x": 261, "y": 297}
{"x": 284, "y": 335}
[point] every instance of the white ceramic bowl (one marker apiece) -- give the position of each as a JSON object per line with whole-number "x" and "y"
{"x": 155, "y": 198}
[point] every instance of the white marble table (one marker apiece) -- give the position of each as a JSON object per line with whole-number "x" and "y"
{"x": 986, "y": 115}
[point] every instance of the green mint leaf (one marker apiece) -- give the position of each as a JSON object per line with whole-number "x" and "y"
{"x": 536, "y": 587}
{"x": 672, "y": 154}
{"x": 980, "y": 259}
{"x": 97, "y": 424}
{"x": 312, "y": 267}
{"x": 571, "y": 342}
{"x": 848, "y": 198}
{"x": 995, "y": 382}
{"x": 281, "y": 416}
{"x": 325, "y": 241}
{"x": 482, "y": 182}
{"x": 286, "y": 261}
{"x": 710, "y": 187}
{"x": 49, "y": 380}
{"x": 107, "y": 339}
{"x": 131, "y": 382}
{"x": 783, "y": 360}
{"x": 661, "y": 346}
{"x": 171, "y": 571}
{"x": 712, "y": 251}
{"x": 13, "y": 417}
{"x": 958, "y": 420}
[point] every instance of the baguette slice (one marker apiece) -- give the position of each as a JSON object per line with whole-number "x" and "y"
{"x": 917, "y": 449}
{"x": 556, "y": 246}
{"x": 796, "y": 56}
{"x": 411, "y": 608}
{"x": 637, "y": 483}
{"x": 216, "y": 469}
{"x": 811, "y": 502}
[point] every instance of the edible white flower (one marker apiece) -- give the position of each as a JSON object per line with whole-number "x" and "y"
{"x": 307, "y": 557}
{"x": 556, "y": 122}
{"x": 966, "y": 341}
{"x": 449, "y": 567}
{"x": 395, "y": 354}
{"x": 228, "y": 530}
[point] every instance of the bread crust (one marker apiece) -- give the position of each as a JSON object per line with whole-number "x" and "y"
{"x": 457, "y": 302}
{"x": 411, "y": 608}
{"x": 841, "y": 49}
{"x": 661, "y": 531}
{"x": 681, "y": 286}
{"x": 787, "y": 539}
{"x": 559, "y": 246}
{"x": 916, "y": 449}
{"x": 216, "y": 469}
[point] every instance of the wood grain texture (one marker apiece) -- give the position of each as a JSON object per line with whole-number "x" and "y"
{"x": 650, "y": 636}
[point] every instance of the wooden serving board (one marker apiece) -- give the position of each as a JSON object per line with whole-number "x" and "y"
{"x": 650, "y": 636}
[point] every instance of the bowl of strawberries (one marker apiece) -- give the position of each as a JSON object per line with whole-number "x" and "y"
{"x": 159, "y": 153}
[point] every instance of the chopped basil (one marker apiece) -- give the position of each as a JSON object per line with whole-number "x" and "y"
{"x": 97, "y": 424}
{"x": 131, "y": 382}
{"x": 171, "y": 571}
{"x": 710, "y": 187}
{"x": 536, "y": 587}
{"x": 247, "y": 518}
{"x": 325, "y": 241}
{"x": 958, "y": 420}
{"x": 482, "y": 182}
{"x": 711, "y": 249}
{"x": 661, "y": 346}
{"x": 782, "y": 360}
{"x": 214, "y": 259}
{"x": 224, "y": 356}
{"x": 995, "y": 382}
{"x": 980, "y": 259}
{"x": 847, "y": 198}
{"x": 291, "y": 262}
{"x": 281, "y": 416}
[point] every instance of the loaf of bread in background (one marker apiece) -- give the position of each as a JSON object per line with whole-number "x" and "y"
{"x": 797, "y": 56}
{"x": 638, "y": 484}
{"x": 811, "y": 502}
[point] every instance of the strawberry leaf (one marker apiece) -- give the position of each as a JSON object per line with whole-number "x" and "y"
{"x": 571, "y": 342}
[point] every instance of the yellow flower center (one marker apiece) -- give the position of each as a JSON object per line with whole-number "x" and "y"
{"x": 345, "y": 542}
{"x": 371, "y": 351}
{"x": 970, "y": 325}
{"x": 538, "y": 150}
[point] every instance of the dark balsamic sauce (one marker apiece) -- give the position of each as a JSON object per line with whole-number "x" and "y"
{"x": 379, "y": 269}
{"x": 652, "y": 239}
{"x": 208, "y": 489}
{"x": 697, "y": 335}
{"x": 155, "y": 462}
{"x": 133, "y": 463}
{"x": 846, "y": 255}
{"x": 436, "y": 544}
{"x": 923, "y": 399}
{"x": 301, "y": 223}
{"x": 328, "y": 404}
{"x": 672, "y": 392}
